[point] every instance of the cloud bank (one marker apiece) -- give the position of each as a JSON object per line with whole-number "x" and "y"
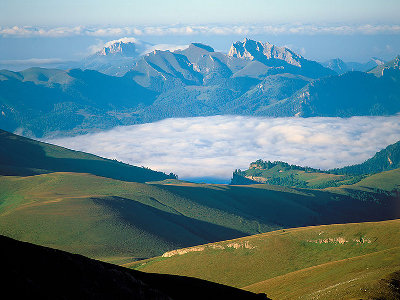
{"x": 305, "y": 29}
{"x": 213, "y": 147}
{"x": 164, "y": 47}
{"x": 33, "y": 61}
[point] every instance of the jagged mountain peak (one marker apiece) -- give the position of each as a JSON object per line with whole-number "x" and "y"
{"x": 125, "y": 47}
{"x": 255, "y": 50}
{"x": 378, "y": 61}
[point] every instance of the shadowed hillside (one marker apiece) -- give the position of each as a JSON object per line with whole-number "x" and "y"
{"x": 119, "y": 221}
{"x": 35, "y": 272}
{"x": 40, "y": 101}
{"x": 21, "y": 156}
{"x": 254, "y": 79}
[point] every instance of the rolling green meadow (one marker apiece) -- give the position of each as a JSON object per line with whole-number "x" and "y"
{"x": 223, "y": 150}
{"x": 341, "y": 261}
{"x": 263, "y": 238}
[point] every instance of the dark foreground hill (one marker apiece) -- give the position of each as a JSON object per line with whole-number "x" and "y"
{"x": 20, "y": 156}
{"x": 35, "y": 272}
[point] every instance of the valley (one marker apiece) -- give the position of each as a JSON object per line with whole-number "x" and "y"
{"x": 289, "y": 168}
{"x": 113, "y": 220}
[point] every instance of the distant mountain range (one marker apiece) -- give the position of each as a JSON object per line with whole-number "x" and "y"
{"x": 341, "y": 67}
{"x": 254, "y": 78}
{"x": 116, "y": 57}
{"x": 40, "y": 101}
{"x": 346, "y": 95}
{"x": 389, "y": 66}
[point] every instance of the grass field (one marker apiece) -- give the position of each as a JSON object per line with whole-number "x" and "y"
{"x": 122, "y": 221}
{"x": 298, "y": 178}
{"x": 78, "y": 202}
{"x": 344, "y": 261}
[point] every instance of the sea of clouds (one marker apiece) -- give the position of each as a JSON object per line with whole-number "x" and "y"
{"x": 211, "y": 148}
{"x": 101, "y": 31}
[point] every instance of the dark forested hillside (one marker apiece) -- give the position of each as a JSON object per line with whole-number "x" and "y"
{"x": 254, "y": 78}
{"x": 21, "y": 156}
{"x": 384, "y": 160}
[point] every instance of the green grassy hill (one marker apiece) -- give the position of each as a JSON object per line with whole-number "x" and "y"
{"x": 284, "y": 174}
{"x": 346, "y": 261}
{"x": 21, "y": 156}
{"x": 121, "y": 221}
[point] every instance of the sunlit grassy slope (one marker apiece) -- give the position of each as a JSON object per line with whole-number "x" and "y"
{"x": 124, "y": 221}
{"x": 284, "y": 176}
{"x": 344, "y": 261}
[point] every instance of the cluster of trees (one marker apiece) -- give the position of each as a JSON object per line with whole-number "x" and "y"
{"x": 279, "y": 173}
{"x": 266, "y": 165}
{"x": 385, "y": 160}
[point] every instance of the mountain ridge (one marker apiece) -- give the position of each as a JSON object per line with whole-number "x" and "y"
{"x": 341, "y": 67}
{"x": 190, "y": 82}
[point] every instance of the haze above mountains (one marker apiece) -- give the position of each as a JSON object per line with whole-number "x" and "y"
{"x": 254, "y": 78}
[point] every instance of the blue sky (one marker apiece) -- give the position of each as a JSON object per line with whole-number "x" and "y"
{"x": 134, "y": 12}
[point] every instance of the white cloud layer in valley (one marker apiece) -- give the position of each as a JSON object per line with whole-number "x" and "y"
{"x": 213, "y": 147}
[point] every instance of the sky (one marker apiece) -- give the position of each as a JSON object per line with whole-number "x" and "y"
{"x": 57, "y": 30}
{"x": 152, "y": 12}
{"x": 209, "y": 149}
